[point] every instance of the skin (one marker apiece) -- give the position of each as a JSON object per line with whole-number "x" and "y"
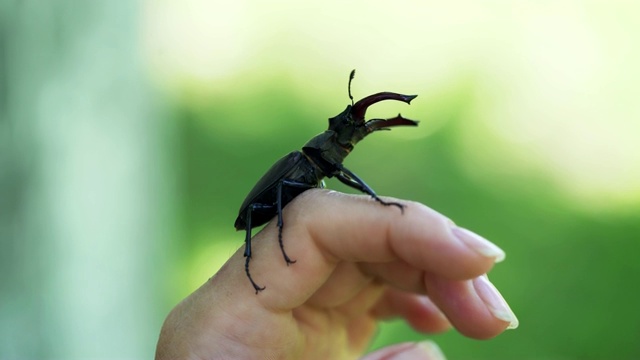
{"x": 358, "y": 263}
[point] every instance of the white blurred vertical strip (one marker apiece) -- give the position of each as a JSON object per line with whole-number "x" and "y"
{"x": 83, "y": 251}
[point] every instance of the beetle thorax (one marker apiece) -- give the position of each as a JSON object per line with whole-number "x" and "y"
{"x": 325, "y": 152}
{"x": 348, "y": 131}
{"x": 329, "y": 147}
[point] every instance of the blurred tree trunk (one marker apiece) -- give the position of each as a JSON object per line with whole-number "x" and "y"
{"x": 82, "y": 195}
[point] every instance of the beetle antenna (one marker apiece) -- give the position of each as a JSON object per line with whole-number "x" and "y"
{"x": 351, "y": 76}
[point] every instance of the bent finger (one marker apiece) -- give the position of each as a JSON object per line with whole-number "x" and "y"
{"x": 418, "y": 310}
{"x": 426, "y": 350}
{"x": 474, "y": 307}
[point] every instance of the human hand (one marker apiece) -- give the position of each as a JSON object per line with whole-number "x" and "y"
{"x": 357, "y": 263}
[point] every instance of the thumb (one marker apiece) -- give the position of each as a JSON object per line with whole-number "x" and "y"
{"x": 425, "y": 350}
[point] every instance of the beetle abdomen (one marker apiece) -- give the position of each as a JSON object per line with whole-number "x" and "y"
{"x": 293, "y": 167}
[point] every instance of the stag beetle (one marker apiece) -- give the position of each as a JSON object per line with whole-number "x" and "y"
{"x": 322, "y": 156}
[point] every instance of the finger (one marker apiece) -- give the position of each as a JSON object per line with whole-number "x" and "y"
{"x": 418, "y": 310}
{"x": 357, "y": 229}
{"x": 322, "y": 228}
{"x": 474, "y": 307}
{"x": 426, "y": 350}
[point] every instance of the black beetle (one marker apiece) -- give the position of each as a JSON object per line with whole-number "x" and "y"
{"x": 303, "y": 170}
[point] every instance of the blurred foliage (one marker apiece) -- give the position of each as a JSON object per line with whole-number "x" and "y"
{"x": 569, "y": 274}
{"x": 528, "y": 117}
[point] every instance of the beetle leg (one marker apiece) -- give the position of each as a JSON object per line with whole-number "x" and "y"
{"x": 282, "y": 184}
{"x": 350, "y": 179}
{"x": 281, "y": 223}
{"x": 247, "y": 244}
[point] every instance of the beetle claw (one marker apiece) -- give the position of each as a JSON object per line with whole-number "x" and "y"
{"x": 246, "y": 269}
{"x": 390, "y": 203}
{"x": 286, "y": 257}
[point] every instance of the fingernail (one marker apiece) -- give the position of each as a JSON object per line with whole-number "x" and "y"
{"x": 494, "y": 301}
{"x": 431, "y": 350}
{"x": 423, "y": 350}
{"x": 481, "y": 245}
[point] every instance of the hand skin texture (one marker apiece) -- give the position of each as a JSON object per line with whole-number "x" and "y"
{"x": 357, "y": 263}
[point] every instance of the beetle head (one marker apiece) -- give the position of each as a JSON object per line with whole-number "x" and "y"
{"x": 350, "y": 125}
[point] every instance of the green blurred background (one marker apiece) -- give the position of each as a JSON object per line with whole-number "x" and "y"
{"x": 130, "y": 133}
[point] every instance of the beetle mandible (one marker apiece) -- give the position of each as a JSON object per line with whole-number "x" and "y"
{"x": 322, "y": 156}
